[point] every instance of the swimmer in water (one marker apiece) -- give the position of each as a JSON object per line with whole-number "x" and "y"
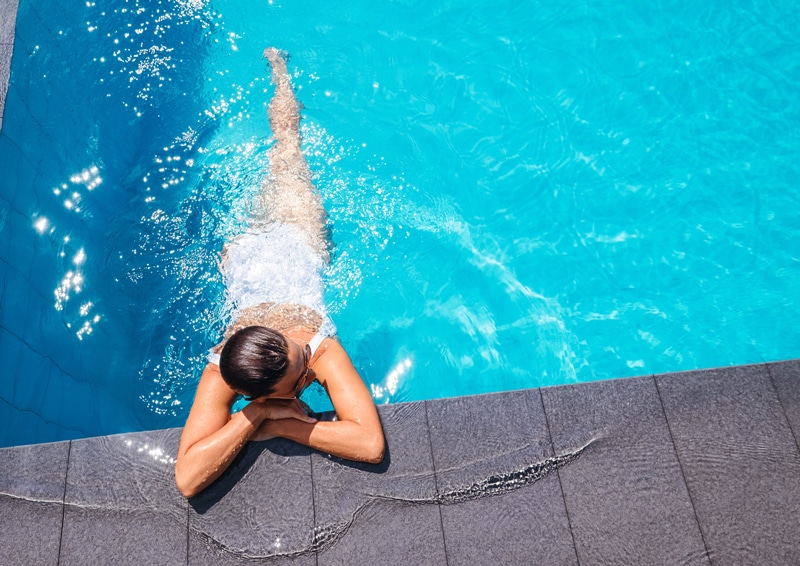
{"x": 281, "y": 339}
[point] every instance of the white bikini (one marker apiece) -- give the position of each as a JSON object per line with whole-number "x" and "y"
{"x": 275, "y": 265}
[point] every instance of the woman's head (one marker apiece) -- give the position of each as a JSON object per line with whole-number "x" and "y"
{"x": 254, "y": 360}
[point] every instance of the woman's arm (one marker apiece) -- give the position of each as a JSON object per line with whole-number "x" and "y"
{"x": 357, "y": 434}
{"x": 212, "y": 437}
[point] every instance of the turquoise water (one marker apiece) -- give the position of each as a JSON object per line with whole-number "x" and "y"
{"x": 520, "y": 195}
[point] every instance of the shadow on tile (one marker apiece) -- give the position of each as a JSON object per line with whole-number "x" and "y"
{"x": 381, "y": 468}
{"x": 234, "y": 521}
{"x": 240, "y": 468}
{"x": 261, "y": 508}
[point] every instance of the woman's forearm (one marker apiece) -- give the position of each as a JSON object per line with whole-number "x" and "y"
{"x": 344, "y": 439}
{"x": 207, "y": 459}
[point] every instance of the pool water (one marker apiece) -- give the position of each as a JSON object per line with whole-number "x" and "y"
{"x": 519, "y": 195}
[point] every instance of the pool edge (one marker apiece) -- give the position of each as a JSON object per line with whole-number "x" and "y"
{"x": 8, "y": 19}
{"x": 661, "y": 462}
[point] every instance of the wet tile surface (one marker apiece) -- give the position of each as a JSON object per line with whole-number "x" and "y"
{"x": 31, "y": 502}
{"x": 8, "y": 20}
{"x": 625, "y": 494}
{"x": 687, "y": 468}
{"x": 121, "y": 503}
{"x": 502, "y": 500}
{"x": 385, "y": 513}
{"x": 740, "y": 461}
{"x": 786, "y": 378}
{"x": 6, "y": 50}
{"x": 260, "y": 509}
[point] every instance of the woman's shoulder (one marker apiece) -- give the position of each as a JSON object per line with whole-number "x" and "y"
{"x": 212, "y": 388}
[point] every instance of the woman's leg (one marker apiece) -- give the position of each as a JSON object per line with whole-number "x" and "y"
{"x": 289, "y": 194}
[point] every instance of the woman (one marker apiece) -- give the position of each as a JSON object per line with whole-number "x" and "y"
{"x": 280, "y": 340}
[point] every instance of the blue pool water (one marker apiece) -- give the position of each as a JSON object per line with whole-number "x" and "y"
{"x": 520, "y": 195}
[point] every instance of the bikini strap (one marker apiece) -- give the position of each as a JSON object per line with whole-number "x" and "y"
{"x": 315, "y": 342}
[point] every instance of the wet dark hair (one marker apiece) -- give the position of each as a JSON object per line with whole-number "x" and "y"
{"x": 254, "y": 359}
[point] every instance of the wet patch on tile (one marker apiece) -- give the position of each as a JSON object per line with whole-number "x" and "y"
{"x": 358, "y": 505}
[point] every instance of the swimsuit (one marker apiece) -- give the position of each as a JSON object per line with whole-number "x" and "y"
{"x": 273, "y": 278}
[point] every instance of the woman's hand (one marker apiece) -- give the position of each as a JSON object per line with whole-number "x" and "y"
{"x": 356, "y": 435}
{"x": 277, "y": 409}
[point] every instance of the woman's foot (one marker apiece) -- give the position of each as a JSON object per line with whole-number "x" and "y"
{"x": 277, "y": 60}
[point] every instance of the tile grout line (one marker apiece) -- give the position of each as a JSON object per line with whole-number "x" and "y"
{"x": 558, "y": 475}
{"x": 187, "y": 532}
{"x": 783, "y": 409}
{"x": 313, "y": 507}
{"x": 436, "y": 482}
{"x": 64, "y": 503}
{"x": 680, "y": 465}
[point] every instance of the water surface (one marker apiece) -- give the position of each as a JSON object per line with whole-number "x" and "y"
{"x": 519, "y": 195}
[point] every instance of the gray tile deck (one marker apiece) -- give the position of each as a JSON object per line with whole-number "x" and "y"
{"x": 693, "y": 468}
{"x": 367, "y": 501}
{"x": 785, "y": 376}
{"x": 32, "y": 502}
{"x": 263, "y": 508}
{"x": 499, "y": 435}
{"x": 8, "y": 18}
{"x": 740, "y": 460}
{"x": 120, "y": 504}
{"x": 626, "y": 498}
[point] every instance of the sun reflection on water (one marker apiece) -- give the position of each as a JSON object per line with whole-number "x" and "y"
{"x": 73, "y": 280}
{"x": 392, "y": 381}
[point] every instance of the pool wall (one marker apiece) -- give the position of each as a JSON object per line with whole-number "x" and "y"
{"x": 691, "y": 468}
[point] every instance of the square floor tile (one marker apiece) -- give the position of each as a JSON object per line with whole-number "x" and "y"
{"x": 32, "y": 482}
{"x": 740, "y": 461}
{"x": 496, "y": 472}
{"x": 625, "y": 495}
{"x": 260, "y": 509}
{"x": 786, "y": 378}
{"x": 8, "y": 20}
{"x": 6, "y": 50}
{"x": 385, "y": 513}
{"x": 122, "y": 506}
